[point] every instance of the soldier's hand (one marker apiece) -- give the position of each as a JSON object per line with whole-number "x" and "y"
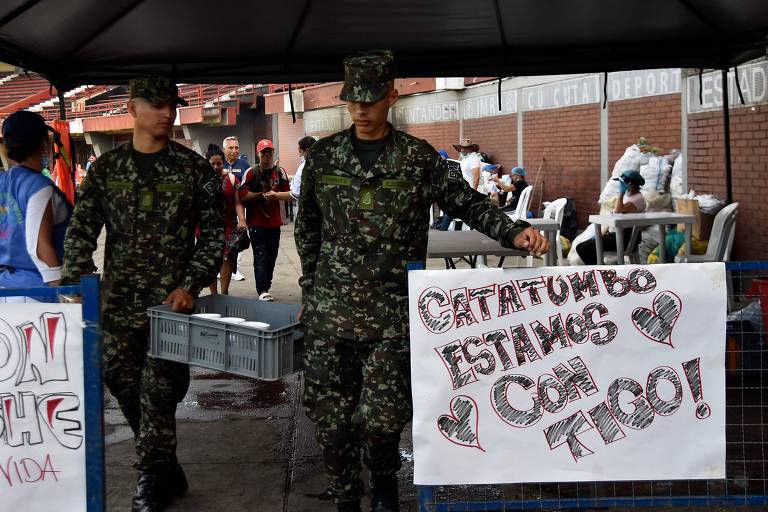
{"x": 181, "y": 301}
{"x": 532, "y": 241}
{"x": 301, "y": 313}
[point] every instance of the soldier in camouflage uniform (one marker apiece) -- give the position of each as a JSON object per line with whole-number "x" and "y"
{"x": 150, "y": 194}
{"x": 363, "y": 216}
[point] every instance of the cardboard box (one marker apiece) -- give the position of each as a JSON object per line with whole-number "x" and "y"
{"x": 702, "y": 227}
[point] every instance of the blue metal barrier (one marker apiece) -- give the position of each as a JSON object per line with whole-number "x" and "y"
{"x": 93, "y": 397}
{"x": 746, "y": 481}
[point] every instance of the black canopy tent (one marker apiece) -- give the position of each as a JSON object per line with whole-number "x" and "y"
{"x": 202, "y": 41}
{"x": 76, "y": 42}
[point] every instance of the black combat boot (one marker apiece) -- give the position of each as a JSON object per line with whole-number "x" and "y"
{"x": 385, "y": 498}
{"x": 348, "y": 506}
{"x": 178, "y": 480}
{"x": 149, "y": 495}
{"x": 158, "y": 487}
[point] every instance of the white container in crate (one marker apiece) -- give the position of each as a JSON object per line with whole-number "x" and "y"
{"x": 229, "y": 347}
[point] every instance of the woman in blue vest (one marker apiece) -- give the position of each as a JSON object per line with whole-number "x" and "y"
{"x": 33, "y": 212}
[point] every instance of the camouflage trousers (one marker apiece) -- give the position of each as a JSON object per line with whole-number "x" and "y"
{"x": 147, "y": 390}
{"x": 359, "y": 396}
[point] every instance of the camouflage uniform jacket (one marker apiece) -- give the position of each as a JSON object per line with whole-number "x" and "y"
{"x": 150, "y": 220}
{"x": 357, "y": 230}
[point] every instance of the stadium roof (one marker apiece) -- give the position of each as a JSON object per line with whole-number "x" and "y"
{"x": 204, "y": 41}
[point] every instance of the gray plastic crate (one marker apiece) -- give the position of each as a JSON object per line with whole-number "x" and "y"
{"x": 264, "y": 354}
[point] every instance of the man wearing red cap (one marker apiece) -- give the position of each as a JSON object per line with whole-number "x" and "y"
{"x": 258, "y": 192}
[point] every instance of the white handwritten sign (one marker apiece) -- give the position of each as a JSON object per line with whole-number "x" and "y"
{"x": 42, "y": 454}
{"x": 568, "y": 374}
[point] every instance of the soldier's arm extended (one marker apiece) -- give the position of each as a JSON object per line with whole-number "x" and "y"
{"x": 455, "y": 197}
{"x": 85, "y": 226}
{"x": 209, "y": 249}
{"x": 307, "y": 230}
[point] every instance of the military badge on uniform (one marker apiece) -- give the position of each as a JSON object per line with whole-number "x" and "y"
{"x": 367, "y": 196}
{"x": 146, "y": 200}
{"x": 454, "y": 170}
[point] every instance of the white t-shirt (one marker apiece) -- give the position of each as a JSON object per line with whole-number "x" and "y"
{"x": 638, "y": 200}
{"x": 35, "y": 209}
{"x": 296, "y": 182}
{"x": 469, "y": 162}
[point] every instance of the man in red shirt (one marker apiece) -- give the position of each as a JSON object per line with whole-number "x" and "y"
{"x": 262, "y": 213}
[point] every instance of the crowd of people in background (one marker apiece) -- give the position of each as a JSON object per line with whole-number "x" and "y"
{"x": 40, "y": 212}
{"x": 253, "y": 214}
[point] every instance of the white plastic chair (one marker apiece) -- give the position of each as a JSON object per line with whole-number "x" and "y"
{"x": 555, "y": 210}
{"x": 721, "y": 238}
{"x": 464, "y": 225}
{"x": 521, "y": 212}
{"x": 523, "y": 205}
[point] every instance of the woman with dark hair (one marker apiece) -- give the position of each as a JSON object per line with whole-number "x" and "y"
{"x": 304, "y": 145}
{"x": 234, "y": 218}
{"x": 33, "y": 213}
{"x": 629, "y": 200}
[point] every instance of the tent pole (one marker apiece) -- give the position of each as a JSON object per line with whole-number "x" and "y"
{"x": 62, "y": 107}
{"x": 727, "y": 139}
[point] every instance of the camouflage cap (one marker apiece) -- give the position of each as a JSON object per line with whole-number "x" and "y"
{"x": 156, "y": 89}
{"x": 367, "y": 75}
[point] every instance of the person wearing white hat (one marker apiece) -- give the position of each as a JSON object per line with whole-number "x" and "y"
{"x": 470, "y": 161}
{"x": 470, "y": 169}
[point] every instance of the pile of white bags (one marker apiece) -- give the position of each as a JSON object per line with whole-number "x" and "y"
{"x": 657, "y": 174}
{"x": 661, "y": 173}
{"x": 676, "y": 183}
{"x": 631, "y": 160}
{"x": 657, "y": 171}
{"x": 707, "y": 202}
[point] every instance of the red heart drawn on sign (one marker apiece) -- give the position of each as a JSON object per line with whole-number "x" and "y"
{"x": 657, "y": 324}
{"x": 460, "y": 426}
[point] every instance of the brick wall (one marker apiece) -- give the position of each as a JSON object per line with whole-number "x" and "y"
{"x": 569, "y": 140}
{"x": 749, "y": 168}
{"x": 440, "y": 135}
{"x": 496, "y": 136}
{"x": 288, "y": 139}
{"x": 657, "y": 118}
